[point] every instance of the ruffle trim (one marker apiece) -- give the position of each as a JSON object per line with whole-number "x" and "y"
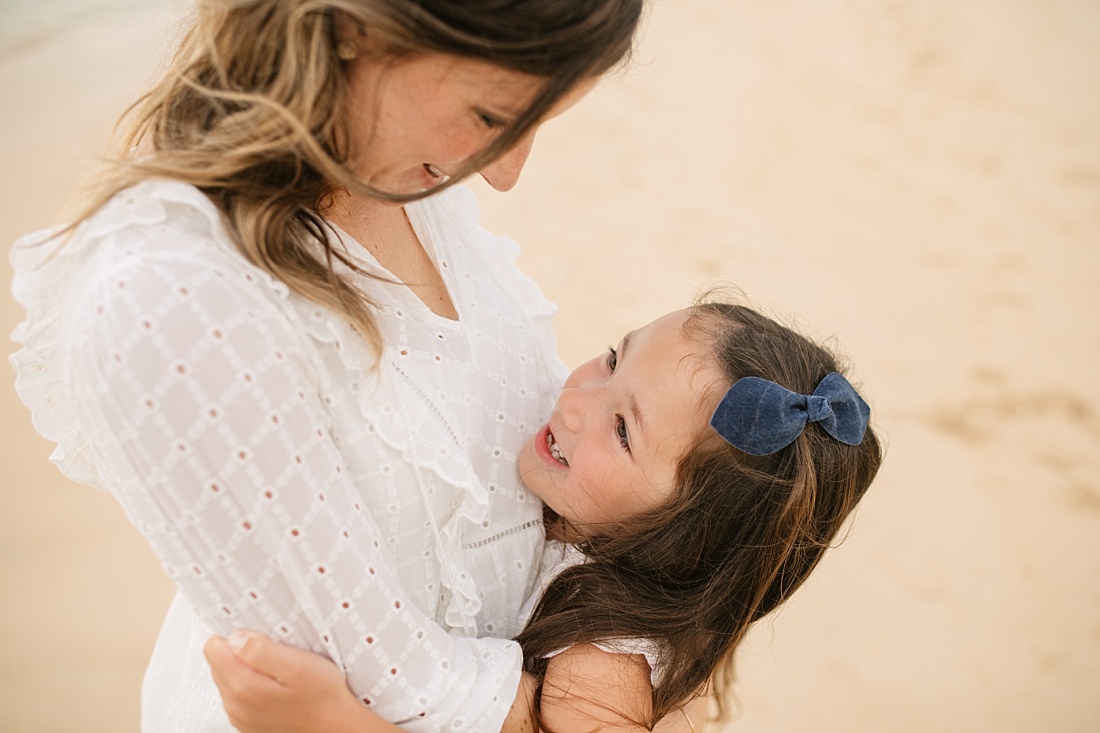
{"x": 39, "y": 286}
{"x": 557, "y": 557}
{"x": 500, "y": 255}
{"x": 398, "y": 425}
{"x": 453, "y": 216}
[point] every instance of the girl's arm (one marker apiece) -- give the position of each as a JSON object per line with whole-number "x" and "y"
{"x": 272, "y": 688}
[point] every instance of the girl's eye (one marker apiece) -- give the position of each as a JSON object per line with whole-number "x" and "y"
{"x": 612, "y": 358}
{"x": 620, "y": 432}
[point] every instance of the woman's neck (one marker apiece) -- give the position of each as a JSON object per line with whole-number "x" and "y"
{"x": 383, "y": 229}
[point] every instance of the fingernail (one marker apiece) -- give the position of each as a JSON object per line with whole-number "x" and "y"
{"x": 237, "y": 640}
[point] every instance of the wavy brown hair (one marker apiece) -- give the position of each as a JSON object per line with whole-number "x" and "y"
{"x": 252, "y": 107}
{"x": 739, "y": 536}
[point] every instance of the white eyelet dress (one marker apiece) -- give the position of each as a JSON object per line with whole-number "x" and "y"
{"x": 374, "y": 515}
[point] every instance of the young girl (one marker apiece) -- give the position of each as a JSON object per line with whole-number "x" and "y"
{"x": 693, "y": 477}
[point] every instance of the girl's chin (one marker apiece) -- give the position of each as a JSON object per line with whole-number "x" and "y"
{"x": 532, "y": 472}
{"x": 526, "y": 463}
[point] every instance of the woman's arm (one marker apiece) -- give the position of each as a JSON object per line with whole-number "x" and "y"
{"x": 268, "y": 687}
{"x": 196, "y": 387}
{"x": 272, "y": 688}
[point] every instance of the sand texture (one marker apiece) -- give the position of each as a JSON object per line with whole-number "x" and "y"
{"x": 916, "y": 180}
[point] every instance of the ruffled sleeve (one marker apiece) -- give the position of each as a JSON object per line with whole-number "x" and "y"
{"x": 557, "y": 557}
{"x": 39, "y": 366}
{"x": 176, "y": 376}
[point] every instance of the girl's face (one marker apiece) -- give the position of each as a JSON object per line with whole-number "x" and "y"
{"x": 622, "y": 423}
{"x": 415, "y": 121}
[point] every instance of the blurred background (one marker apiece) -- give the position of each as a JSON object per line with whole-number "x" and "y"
{"x": 916, "y": 181}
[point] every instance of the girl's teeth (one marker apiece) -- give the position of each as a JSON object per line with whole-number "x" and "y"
{"x": 555, "y": 450}
{"x": 435, "y": 171}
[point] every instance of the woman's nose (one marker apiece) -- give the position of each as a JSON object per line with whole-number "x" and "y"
{"x": 503, "y": 173}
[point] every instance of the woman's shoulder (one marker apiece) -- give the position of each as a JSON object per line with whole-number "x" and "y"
{"x": 156, "y": 230}
{"x": 151, "y": 252}
{"x": 153, "y": 216}
{"x": 164, "y": 215}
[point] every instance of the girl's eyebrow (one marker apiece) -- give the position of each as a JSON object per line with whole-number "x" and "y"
{"x": 636, "y": 414}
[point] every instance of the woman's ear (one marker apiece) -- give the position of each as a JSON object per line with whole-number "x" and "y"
{"x": 349, "y": 34}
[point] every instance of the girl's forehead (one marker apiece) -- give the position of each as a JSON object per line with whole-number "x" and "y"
{"x": 679, "y": 380}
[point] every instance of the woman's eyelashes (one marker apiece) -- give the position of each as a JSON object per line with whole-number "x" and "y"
{"x": 612, "y": 358}
{"x": 491, "y": 122}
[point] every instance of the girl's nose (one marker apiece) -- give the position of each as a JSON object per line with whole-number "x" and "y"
{"x": 573, "y": 406}
{"x": 580, "y": 394}
{"x": 503, "y": 173}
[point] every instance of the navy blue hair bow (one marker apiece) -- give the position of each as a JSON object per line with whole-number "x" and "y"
{"x": 760, "y": 417}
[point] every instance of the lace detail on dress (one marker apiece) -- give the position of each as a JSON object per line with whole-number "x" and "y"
{"x": 506, "y": 533}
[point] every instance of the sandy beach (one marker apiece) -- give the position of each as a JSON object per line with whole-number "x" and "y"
{"x": 917, "y": 181}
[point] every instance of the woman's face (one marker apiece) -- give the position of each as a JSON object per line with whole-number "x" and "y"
{"x": 417, "y": 120}
{"x": 622, "y": 423}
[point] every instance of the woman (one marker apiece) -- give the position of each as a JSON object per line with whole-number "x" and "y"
{"x": 305, "y": 382}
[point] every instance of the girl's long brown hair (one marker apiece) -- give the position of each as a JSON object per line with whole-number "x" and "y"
{"x": 739, "y": 536}
{"x": 251, "y": 111}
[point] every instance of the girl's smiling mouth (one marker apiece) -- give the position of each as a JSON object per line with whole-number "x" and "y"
{"x": 552, "y": 446}
{"x": 546, "y": 447}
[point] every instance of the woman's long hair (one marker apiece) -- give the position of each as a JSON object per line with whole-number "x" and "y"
{"x": 252, "y": 106}
{"x": 739, "y": 536}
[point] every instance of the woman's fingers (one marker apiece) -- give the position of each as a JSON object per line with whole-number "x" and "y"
{"x": 258, "y": 652}
{"x": 268, "y": 687}
{"x": 225, "y": 663}
{"x": 254, "y": 651}
{"x": 242, "y": 688}
{"x": 281, "y": 663}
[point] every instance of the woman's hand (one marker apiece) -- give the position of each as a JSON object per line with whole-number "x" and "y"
{"x": 268, "y": 687}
